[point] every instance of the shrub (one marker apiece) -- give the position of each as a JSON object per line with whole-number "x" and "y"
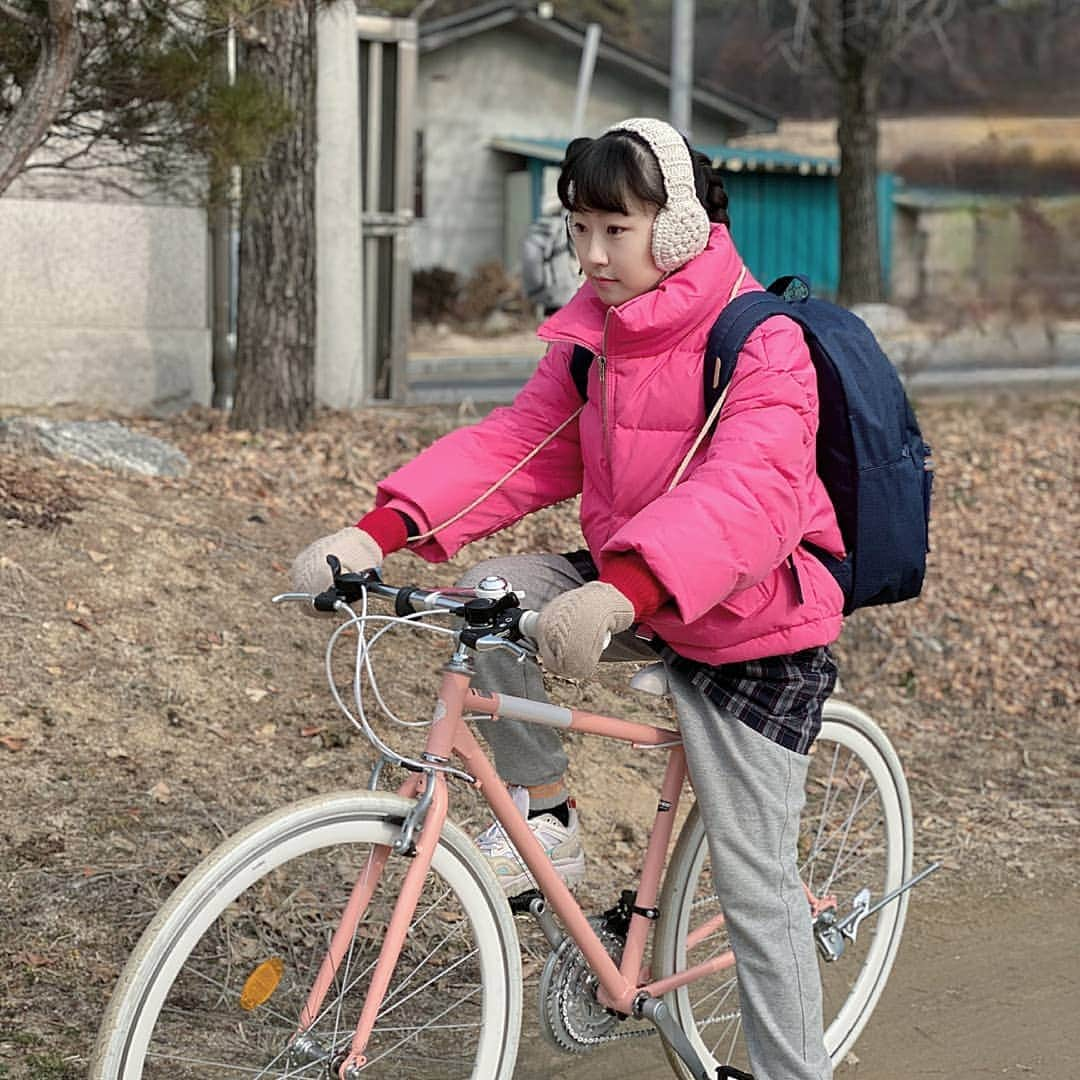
{"x": 490, "y": 289}
{"x": 435, "y": 292}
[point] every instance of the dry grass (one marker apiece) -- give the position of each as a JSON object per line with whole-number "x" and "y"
{"x": 1046, "y": 138}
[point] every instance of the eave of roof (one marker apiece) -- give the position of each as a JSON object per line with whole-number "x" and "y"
{"x": 740, "y": 159}
{"x": 439, "y": 33}
{"x": 728, "y": 158}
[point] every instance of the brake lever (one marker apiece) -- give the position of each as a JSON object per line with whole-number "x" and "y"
{"x": 490, "y": 642}
{"x": 347, "y": 587}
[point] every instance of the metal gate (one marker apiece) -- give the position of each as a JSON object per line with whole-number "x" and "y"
{"x": 387, "y": 62}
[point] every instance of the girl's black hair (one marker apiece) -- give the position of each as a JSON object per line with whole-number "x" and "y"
{"x": 601, "y": 173}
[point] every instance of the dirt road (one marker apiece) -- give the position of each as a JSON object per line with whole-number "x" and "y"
{"x": 985, "y": 987}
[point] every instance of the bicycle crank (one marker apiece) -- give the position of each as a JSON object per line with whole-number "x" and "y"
{"x": 832, "y": 935}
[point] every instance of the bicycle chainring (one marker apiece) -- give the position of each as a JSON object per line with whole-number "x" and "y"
{"x": 570, "y": 1015}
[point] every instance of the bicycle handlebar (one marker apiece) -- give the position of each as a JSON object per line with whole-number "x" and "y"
{"x": 491, "y": 613}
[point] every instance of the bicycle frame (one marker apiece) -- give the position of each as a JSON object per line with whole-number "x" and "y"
{"x": 449, "y": 736}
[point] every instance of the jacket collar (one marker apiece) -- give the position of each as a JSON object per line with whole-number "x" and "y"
{"x": 656, "y": 319}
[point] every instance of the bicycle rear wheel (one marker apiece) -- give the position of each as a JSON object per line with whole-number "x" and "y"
{"x": 856, "y": 833}
{"x": 218, "y": 981}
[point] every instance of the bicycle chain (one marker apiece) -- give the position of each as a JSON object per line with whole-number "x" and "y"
{"x": 568, "y": 987}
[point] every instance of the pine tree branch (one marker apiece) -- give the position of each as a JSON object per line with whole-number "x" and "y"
{"x": 44, "y": 94}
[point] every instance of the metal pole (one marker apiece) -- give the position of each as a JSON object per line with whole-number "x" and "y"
{"x": 682, "y": 64}
{"x": 585, "y": 74}
{"x": 223, "y": 360}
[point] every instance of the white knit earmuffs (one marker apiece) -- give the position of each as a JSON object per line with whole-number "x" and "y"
{"x": 681, "y": 229}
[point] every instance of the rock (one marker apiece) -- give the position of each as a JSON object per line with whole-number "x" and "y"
{"x": 498, "y": 322}
{"x": 104, "y": 443}
{"x": 1065, "y": 335}
{"x": 886, "y": 320}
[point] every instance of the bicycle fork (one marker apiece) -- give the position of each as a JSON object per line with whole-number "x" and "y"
{"x": 430, "y": 811}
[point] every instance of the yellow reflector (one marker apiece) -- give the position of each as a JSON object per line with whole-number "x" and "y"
{"x": 261, "y": 983}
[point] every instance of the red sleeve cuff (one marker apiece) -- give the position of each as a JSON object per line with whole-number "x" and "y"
{"x": 386, "y": 527}
{"x": 632, "y": 577}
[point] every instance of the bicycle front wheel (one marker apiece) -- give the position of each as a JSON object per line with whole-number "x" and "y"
{"x": 856, "y": 833}
{"x": 219, "y": 979}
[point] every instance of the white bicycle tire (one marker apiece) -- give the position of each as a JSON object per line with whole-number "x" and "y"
{"x": 270, "y": 842}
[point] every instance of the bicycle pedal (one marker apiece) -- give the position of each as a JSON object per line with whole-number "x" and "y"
{"x": 519, "y": 905}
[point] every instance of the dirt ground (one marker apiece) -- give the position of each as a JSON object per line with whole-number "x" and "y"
{"x": 152, "y": 700}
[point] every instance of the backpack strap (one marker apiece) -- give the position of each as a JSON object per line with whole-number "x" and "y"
{"x": 737, "y": 322}
{"x": 580, "y": 363}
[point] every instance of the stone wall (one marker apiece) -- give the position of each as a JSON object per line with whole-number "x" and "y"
{"x": 969, "y": 255}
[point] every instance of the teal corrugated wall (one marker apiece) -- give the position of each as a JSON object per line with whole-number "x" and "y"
{"x": 886, "y": 188}
{"x": 784, "y": 223}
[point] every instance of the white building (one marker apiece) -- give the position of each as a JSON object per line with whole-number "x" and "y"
{"x": 494, "y": 107}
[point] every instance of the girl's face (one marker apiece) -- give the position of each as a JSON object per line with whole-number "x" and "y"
{"x": 615, "y": 250}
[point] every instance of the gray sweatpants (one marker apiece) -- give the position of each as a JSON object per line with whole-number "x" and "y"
{"x": 751, "y": 793}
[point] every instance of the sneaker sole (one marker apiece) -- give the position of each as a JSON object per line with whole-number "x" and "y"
{"x": 572, "y": 874}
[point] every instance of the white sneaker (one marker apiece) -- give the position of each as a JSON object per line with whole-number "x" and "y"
{"x": 561, "y": 842}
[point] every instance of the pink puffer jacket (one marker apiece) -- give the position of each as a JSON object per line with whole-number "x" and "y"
{"x": 725, "y": 541}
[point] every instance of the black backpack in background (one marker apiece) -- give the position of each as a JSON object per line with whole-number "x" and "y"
{"x": 871, "y": 455}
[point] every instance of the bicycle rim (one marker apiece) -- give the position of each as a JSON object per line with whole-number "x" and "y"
{"x": 855, "y": 833}
{"x": 219, "y": 979}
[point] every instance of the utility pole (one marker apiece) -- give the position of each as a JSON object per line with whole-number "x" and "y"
{"x": 585, "y": 74}
{"x": 682, "y": 64}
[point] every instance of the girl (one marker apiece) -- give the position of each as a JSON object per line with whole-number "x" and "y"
{"x": 711, "y": 570}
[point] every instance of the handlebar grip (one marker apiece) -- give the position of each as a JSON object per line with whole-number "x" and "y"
{"x": 529, "y": 624}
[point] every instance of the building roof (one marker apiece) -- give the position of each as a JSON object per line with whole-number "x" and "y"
{"x": 729, "y": 158}
{"x": 740, "y": 159}
{"x": 437, "y": 33}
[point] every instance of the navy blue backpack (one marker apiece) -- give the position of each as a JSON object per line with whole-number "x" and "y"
{"x": 871, "y": 455}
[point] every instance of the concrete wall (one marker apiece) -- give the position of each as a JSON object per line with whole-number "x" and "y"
{"x": 504, "y": 82}
{"x": 103, "y": 304}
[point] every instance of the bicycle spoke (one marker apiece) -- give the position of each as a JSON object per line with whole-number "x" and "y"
{"x": 425, "y": 1027}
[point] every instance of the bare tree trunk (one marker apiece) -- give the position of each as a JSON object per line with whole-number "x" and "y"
{"x": 48, "y": 86}
{"x": 857, "y": 134}
{"x": 275, "y": 355}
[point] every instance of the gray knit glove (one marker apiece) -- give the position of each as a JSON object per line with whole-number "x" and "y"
{"x": 575, "y": 628}
{"x": 354, "y": 547}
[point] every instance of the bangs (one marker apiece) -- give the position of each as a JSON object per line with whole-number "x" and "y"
{"x": 605, "y": 173}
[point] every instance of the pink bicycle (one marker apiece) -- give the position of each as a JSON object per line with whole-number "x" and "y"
{"x": 362, "y": 934}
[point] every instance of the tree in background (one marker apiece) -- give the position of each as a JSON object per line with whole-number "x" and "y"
{"x": 45, "y": 80}
{"x": 146, "y": 105}
{"x": 275, "y": 356}
{"x": 856, "y": 40}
